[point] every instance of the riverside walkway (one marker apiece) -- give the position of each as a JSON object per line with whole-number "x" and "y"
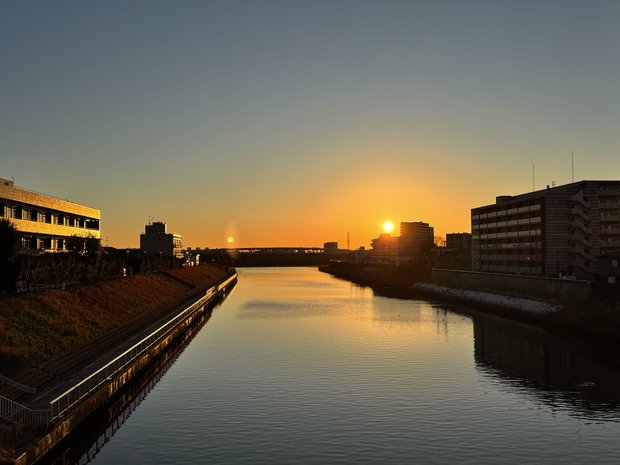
{"x": 36, "y": 389}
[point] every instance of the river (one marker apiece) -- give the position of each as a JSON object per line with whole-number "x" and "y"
{"x": 298, "y": 367}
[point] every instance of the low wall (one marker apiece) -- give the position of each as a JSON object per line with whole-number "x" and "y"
{"x": 515, "y": 285}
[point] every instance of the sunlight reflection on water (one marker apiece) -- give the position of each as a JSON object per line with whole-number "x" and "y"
{"x": 299, "y": 367}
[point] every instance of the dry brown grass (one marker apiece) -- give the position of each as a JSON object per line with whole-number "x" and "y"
{"x": 199, "y": 276}
{"x": 35, "y": 327}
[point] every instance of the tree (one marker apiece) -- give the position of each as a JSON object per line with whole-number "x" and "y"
{"x": 9, "y": 240}
{"x": 92, "y": 245}
{"x": 89, "y": 245}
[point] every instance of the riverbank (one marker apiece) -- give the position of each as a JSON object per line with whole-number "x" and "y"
{"x": 36, "y": 327}
{"x": 593, "y": 316}
{"x": 80, "y": 324}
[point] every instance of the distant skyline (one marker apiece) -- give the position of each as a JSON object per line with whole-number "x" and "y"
{"x": 294, "y": 123}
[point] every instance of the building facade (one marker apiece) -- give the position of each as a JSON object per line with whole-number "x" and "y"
{"x": 458, "y": 241}
{"x": 554, "y": 232}
{"x": 157, "y": 240}
{"x": 384, "y": 249}
{"x": 413, "y": 246}
{"x": 43, "y": 222}
{"x": 416, "y": 240}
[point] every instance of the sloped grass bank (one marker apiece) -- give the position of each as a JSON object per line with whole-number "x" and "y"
{"x": 35, "y": 327}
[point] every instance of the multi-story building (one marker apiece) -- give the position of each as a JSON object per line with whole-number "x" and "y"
{"x": 330, "y": 247}
{"x": 416, "y": 239}
{"x": 157, "y": 240}
{"x": 555, "y": 232}
{"x": 44, "y": 222}
{"x": 384, "y": 249}
{"x": 458, "y": 241}
{"x": 413, "y": 246}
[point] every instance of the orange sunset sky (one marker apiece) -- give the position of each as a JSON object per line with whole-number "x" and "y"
{"x": 295, "y": 123}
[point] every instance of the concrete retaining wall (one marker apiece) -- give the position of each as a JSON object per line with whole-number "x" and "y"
{"x": 513, "y": 285}
{"x": 62, "y": 428}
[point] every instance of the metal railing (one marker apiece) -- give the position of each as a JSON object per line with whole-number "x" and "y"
{"x": 18, "y": 413}
{"x": 61, "y": 404}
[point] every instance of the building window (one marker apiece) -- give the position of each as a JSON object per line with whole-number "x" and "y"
{"x": 614, "y": 263}
{"x": 611, "y": 279}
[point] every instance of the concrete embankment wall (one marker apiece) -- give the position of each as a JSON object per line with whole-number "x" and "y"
{"x": 513, "y": 285}
{"x": 489, "y": 299}
{"x": 61, "y": 428}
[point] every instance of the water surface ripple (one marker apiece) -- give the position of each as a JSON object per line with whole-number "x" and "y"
{"x": 299, "y": 367}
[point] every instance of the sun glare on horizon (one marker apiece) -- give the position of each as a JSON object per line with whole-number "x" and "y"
{"x": 388, "y": 226}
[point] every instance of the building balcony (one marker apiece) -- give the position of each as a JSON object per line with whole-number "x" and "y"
{"x": 575, "y": 250}
{"x": 578, "y": 199}
{"x": 608, "y": 205}
{"x": 610, "y": 230}
{"x": 579, "y": 212}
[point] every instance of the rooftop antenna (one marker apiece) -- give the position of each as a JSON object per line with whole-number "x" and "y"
{"x": 533, "y": 177}
{"x": 572, "y": 159}
{"x": 348, "y": 241}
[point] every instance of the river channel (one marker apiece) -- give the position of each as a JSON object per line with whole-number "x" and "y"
{"x": 298, "y": 367}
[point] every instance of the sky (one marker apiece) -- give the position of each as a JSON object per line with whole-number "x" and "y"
{"x": 294, "y": 123}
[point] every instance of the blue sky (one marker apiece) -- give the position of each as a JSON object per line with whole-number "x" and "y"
{"x": 293, "y": 123}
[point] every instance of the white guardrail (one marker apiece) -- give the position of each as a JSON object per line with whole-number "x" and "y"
{"x": 18, "y": 413}
{"x": 61, "y": 404}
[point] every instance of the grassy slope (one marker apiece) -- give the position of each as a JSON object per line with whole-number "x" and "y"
{"x": 34, "y": 327}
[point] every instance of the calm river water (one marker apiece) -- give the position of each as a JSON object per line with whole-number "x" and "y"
{"x": 298, "y": 367}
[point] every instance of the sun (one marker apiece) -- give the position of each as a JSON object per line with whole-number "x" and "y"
{"x": 230, "y": 239}
{"x": 388, "y": 226}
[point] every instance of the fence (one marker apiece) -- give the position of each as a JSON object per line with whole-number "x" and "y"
{"x": 71, "y": 397}
{"x": 18, "y": 413}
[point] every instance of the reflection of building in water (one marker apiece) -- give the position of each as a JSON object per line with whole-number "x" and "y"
{"x": 558, "y": 370}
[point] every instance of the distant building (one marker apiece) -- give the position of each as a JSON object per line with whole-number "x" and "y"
{"x": 44, "y": 222}
{"x": 157, "y": 240}
{"x": 608, "y": 269}
{"x": 555, "y": 232}
{"x": 456, "y": 255}
{"x": 384, "y": 249}
{"x": 458, "y": 241}
{"x": 416, "y": 240}
{"x": 330, "y": 247}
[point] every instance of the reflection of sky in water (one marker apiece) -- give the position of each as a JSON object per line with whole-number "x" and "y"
{"x": 298, "y": 367}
